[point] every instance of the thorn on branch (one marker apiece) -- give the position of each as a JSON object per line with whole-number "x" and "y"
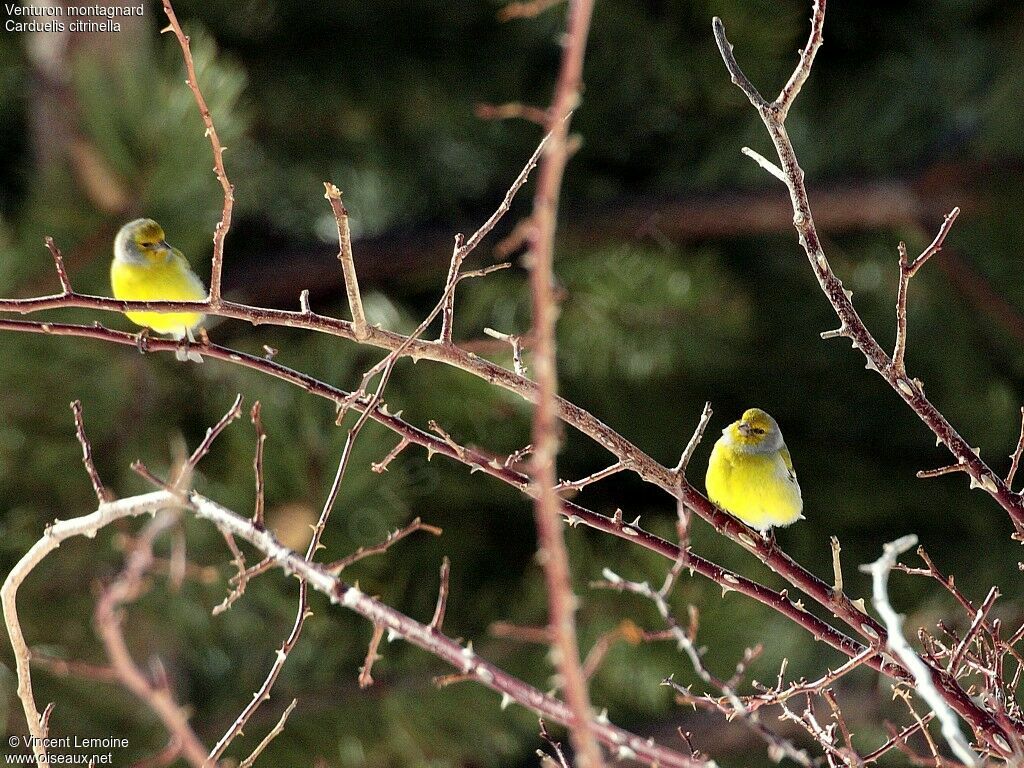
{"x": 102, "y": 494}
{"x": 348, "y": 264}
{"x": 907, "y": 270}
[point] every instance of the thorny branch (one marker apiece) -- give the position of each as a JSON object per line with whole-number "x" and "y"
{"x": 462, "y": 657}
{"x": 221, "y": 231}
{"x": 545, "y": 436}
{"x": 773, "y": 114}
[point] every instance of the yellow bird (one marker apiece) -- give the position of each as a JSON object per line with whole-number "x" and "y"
{"x": 146, "y": 268}
{"x": 751, "y": 475}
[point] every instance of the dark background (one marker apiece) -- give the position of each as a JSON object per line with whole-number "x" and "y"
{"x": 683, "y": 283}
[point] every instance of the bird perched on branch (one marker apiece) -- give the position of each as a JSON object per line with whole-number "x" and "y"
{"x": 146, "y": 268}
{"x": 750, "y": 473}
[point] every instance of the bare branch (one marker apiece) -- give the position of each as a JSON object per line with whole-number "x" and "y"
{"x": 274, "y": 733}
{"x": 221, "y": 231}
{"x": 127, "y": 588}
{"x": 925, "y": 474}
{"x": 698, "y": 434}
{"x": 907, "y": 270}
{"x": 212, "y": 433}
{"x": 382, "y": 466}
{"x": 517, "y": 349}
{"x": 765, "y": 163}
{"x": 792, "y": 88}
{"x": 102, "y": 494}
{"x": 442, "y": 596}
{"x": 376, "y": 549}
{"x": 58, "y": 263}
{"x": 578, "y": 485}
{"x": 545, "y": 438}
{"x": 1017, "y": 452}
{"x": 257, "y": 465}
{"x": 365, "y": 676}
{"x": 837, "y": 566}
{"x": 897, "y": 643}
{"x": 348, "y": 264}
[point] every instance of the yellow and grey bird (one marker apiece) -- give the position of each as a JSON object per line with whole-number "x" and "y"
{"x": 146, "y": 268}
{"x": 751, "y": 475}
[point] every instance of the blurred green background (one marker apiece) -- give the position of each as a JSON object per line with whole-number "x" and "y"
{"x": 682, "y": 279}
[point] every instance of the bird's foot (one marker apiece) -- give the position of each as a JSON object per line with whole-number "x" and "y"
{"x": 142, "y": 341}
{"x": 184, "y": 351}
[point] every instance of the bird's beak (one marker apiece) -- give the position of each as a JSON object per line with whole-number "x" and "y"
{"x": 164, "y": 245}
{"x": 745, "y": 429}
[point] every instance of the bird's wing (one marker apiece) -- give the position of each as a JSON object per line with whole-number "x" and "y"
{"x": 190, "y": 275}
{"x": 788, "y": 461}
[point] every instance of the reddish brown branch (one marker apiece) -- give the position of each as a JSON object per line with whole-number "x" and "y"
{"x": 365, "y": 671}
{"x": 907, "y": 270}
{"x": 376, "y": 549}
{"x": 545, "y": 438}
{"x": 257, "y": 465}
{"x": 442, "y": 596}
{"x": 127, "y": 588}
{"x": 102, "y": 494}
{"x": 348, "y": 264}
{"x": 221, "y": 231}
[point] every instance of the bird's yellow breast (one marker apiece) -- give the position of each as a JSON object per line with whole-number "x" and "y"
{"x": 164, "y": 280}
{"x": 758, "y": 488}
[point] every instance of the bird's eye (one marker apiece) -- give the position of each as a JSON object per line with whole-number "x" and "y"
{"x": 758, "y": 431}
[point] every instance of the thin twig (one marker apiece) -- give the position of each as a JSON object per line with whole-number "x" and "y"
{"x": 907, "y": 270}
{"x": 274, "y": 733}
{"x": 365, "y": 671}
{"x": 698, "y": 434}
{"x": 394, "y": 537}
{"x": 1017, "y": 452}
{"x": 765, "y": 163}
{"x": 442, "y": 596}
{"x": 348, "y": 264}
{"x": 578, "y": 485}
{"x": 837, "y": 566}
{"x": 897, "y": 643}
{"x": 257, "y": 465}
{"x": 102, "y": 494}
{"x": 58, "y": 263}
{"x": 382, "y": 466}
{"x": 221, "y": 231}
